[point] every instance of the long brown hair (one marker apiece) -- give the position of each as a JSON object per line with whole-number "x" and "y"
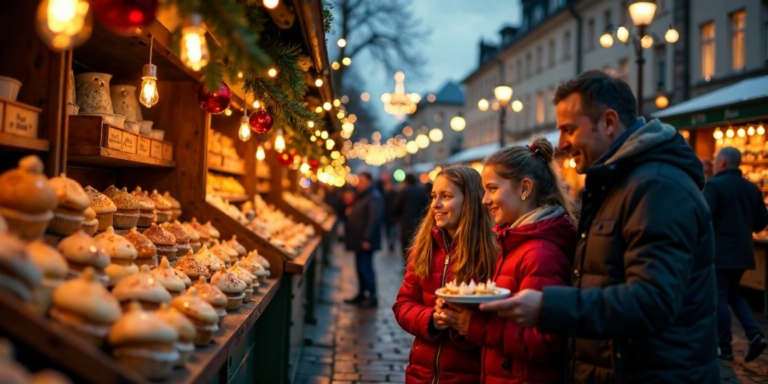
{"x": 535, "y": 162}
{"x": 475, "y": 251}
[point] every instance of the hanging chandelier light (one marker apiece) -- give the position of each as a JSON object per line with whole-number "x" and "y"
{"x": 399, "y": 103}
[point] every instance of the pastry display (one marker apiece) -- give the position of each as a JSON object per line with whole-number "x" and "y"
{"x": 239, "y": 248}
{"x": 314, "y": 211}
{"x": 207, "y": 259}
{"x": 252, "y": 265}
{"x": 127, "y": 215}
{"x": 162, "y": 207}
{"x": 212, "y": 231}
{"x": 165, "y": 275}
{"x": 68, "y": 216}
{"x": 223, "y": 185}
{"x": 223, "y": 254}
{"x": 175, "y": 206}
{"x": 251, "y": 282}
{"x": 180, "y": 234}
{"x": 163, "y": 240}
{"x": 185, "y": 345}
{"x": 53, "y": 268}
{"x": 194, "y": 237}
{"x": 19, "y": 275}
{"x": 464, "y": 289}
{"x": 187, "y": 281}
{"x": 214, "y": 296}
{"x": 85, "y": 308}
{"x": 200, "y": 313}
{"x": 146, "y": 208}
{"x": 103, "y": 206}
{"x": 28, "y": 206}
{"x": 147, "y": 252}
{"x": 144, "y": 343}
{"x": 122, "y": 254}
{"x": 232, "y": 287}
{"x": 191, "y": 267}
{"x": 82, "y": 251}
{"x": 90, "y": 223}
{"x": 141, "y": 287}
{"x": 205, "y": 237}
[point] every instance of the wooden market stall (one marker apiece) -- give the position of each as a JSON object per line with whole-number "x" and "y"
{"x": 260, "y": 342}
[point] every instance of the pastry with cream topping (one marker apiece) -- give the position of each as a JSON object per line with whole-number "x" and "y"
{"x": 141, "y": 287}
{"x": 19, "y": 275}
{"x": 68, "y": 216}
{"x": 180, "y": 234}
{"x": 167, "y": 277}
{"x": 214, "y": 296}
{"x": 27, "y": 205}
{"x": 184, "y": 327}
{"x": 231, "y": 286}
{"x": 162, "y": 207}
{"x": 103, "y": 206}
{"x": 147, "y": 252}
{"x": 127, "y": 215}
{"x": 54, "y": 269}
{"x": 163, "y": 240}
{"x": 121, "y": 253}
{"x": 146, "y": 208}
{"x": 90, "y": 223}
{"x": 82, "y": 251}
{"x": 200, "y": 313}
{"x": 191, "y": 267}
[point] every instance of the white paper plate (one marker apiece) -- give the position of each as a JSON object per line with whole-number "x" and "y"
{"x": 472, "y": 299}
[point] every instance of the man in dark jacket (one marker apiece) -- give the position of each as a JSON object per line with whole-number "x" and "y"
{"x": 390, "y": 227}
{"x": 409, "y": 209}
{"x": 737, "y": 210}
{"x": 642, "y": 306}
{"x": 363, "y": 236}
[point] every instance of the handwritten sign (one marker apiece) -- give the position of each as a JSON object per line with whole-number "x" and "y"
{"x": 114, "y": 138}
{"x": 144, "y": 146}
{"x": 129, "y": 143}
{"x": 157, "y": 149}
{"x": 20, "y": 121}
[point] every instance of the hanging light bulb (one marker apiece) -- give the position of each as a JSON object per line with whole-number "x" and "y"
{"x": 260, "y": 153}
{"x": 245, "y": 130}
{"x": 760, "y": 130}
{"x": 64, "y": 24}
{"x": 272, "y": 72}
{"x": 327, "y": 106}
{"x": 517, "y": 105}
{"x": 194, "y": 48}
{"x": 271, "y": 4}
{"x": 149, "y": 95}
{"x": 324, "y": 135}
{"x": 279, "y": 142}
{"x": 672, "y": 35}
{"x": 741, "y": 132}
{"x": 228, "y": 112}
{"x": 622, "y": 33}
{"x": 329, "y": 144}
{"x": 606, "y": 40}
{"x": 729, "y": 132}
{"x": 751, "y": 130}
{"x": 342, "y": 42}
{"x": 346, "y": 61}
{"x": 318, "y": 82}
{"x": 483, "y": 105}
{"x": 311, "y": 124}
{"x": 458, "y": 123}
{"x": 304, "y": 167}
{"x": 717, "y": 134}
{"x": 256, "y": 104}
{"x": 646, "y": 41}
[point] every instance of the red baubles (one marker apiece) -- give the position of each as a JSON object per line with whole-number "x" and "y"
{"x": 260, "y": 121}
{"x": 285, "y": 159}
{"x": 122, "y": 17}
{"x": 313, "y": 163}
{"x": 214, "y": 102}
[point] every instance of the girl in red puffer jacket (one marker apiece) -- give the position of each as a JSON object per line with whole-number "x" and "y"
{"x": 454, "y": 241}
{"x": 537, "y": 236}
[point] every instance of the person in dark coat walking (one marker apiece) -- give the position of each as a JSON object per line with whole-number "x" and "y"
{"x": 642, "y": 305}
{"x": 737, "y": 211}
{"x": 363, "y": 236}
{"x": 390, "y": 226}
{"x": 409, "y": 208}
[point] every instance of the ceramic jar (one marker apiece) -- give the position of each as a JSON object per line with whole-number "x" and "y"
{"x": 93, "y": 93}
{"x": 124, "y": 102}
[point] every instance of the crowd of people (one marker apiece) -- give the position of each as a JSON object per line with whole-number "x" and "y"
{"x": 631, "y": 285}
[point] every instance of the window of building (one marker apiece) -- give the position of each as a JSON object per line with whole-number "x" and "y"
{"x": 519, "y": 70}
{"x": 660, "y": 56}
{"x": 539, "y": 59}
{"x": 540, "y": 115}
{"x": 528, "y": 65}
{"x": 551, "y": 53}
{"x": 567, "y": 45}
{"x": 624, "y": 69}
{"x": 738, "y": 26}
{"x": 591, "y": 34}
{"x": 708, "y": 51}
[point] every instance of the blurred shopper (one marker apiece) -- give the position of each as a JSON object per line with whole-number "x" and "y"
{"x": 737, "y": 211}
{"x": 390, "y": 225}
{"x": 707, "y": 165}
{"x": 409, "y": 209}
{"x": 454, "y": 241}
{"x": 642, "y": 308}
{"x": 537, "y": 236}
{"x": 363, "y": 236}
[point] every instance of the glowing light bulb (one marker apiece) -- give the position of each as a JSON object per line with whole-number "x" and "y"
{"x": 240, "y": 74}
{"x": 64, "y": 24}
{"x": 228, "y": 112}
{"x": 327, "y": 106}
{"x": 622, "y": 34}
{"x": 244, "y": 133}
{"x": 646, "y": 41}
{"x": 279, "y": 142}
{"x": 717, "y": 134}
{"x": 662, "y": 101}
{"x": 517, "y": 105}
{"x": 272, "y": 72}
{"x": 260, "y": 153}
{"x": 729, "y": 132}
{"x": 310, "y": 124}
{"x": 271, "y": 4}
{"x": 572, "y": 163}
{"x": 319, "y": 109}
{"x": 760, "y": 130}
{"x": 751, "y": 131}
{"x": 318, "y": 82}
{"x": 342, "y": 42}
{"x": 436, "y": 135}
{"x": 606, "y": 40}
{"x": 741, "y": 132}
{"x": 324, "y": 135}
{"x": 411, "y": 147}
{"x": 149, "y": 95}
{"x": 335, "y": 65}
{"x": 422, "y": 141}
{"x": 256, "y": 104}
{"x": 365, "y": 96}
{"x": 304, "y": 168}
{"x": 672, "y": 35}
{"x": 458, "y": 123}
{"x": 329, "y": 144}
{"x": 336, "y": 103}
{"x": 483, "y": 105}
{"x": 346, "y": 61}
{"x": 194, "y": 49}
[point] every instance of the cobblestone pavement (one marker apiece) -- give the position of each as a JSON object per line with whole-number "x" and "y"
{"x": 350, "y": 345}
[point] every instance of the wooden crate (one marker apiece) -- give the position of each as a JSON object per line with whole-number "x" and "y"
{"x": 87, "y": 134}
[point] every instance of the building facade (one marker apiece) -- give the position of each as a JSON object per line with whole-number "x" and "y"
{"x": 435, "y": 111}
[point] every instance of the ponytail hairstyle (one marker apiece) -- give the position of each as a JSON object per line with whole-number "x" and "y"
{"x": 535, "y": 162}
{"x": 476, "y": 249}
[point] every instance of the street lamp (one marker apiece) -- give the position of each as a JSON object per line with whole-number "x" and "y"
{"x": 503, "y": 95}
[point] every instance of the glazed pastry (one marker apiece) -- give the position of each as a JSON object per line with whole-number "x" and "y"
{"x": 254, "y": 255}
{"x": 234, "y": 244}
{"x": 184, "y": 327}
{"x": 194, "y": 237}
{"x": 122, "y": 254}
{"x": 141, "y": 287}
{"x": 163, "y": 240}
{"x": 49, "y": 377}
{"x": 232, "y": 287}
{"x": 11, "y": 372}
{"x": 175, "y": 206}
{"x": 167, "y": 277}
{"x": 231, "y": 252}
{"x": 68, "y": 216}
{"x": 214, "y": 296}
{"x": 103, "y": 206}
{"x": 28, "y": 205}
{"x": 85, "y": 308}
{"x": 162, "y": 207}
{"x": 181, "y": 236}
{"x": 200, "y": 313}
{"x": 54, "y": 269}
{"x": 19, "y": 275}
{"x": 254, "y": 267}
{"x": 205, "y": 236}
{"x": 248, "y": 279}
{"x": 191, "y": 267}
{"x": 144, "y": 343}
{"x": 127, "y": 215}
{"x": 221, "y": 254}
{"x": 146, "y": 208}
{"x": 90, "y": 223}
{"x": 82, "y": 251}
{"x": 210, "y": 261}
{"x": 212, "y": 231}
{"x": 147, "y": 252}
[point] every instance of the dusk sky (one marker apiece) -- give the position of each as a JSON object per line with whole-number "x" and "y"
{"x": 451, "y": 51}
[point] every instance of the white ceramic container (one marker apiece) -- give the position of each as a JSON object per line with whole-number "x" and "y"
{"x": 9, "y": 88}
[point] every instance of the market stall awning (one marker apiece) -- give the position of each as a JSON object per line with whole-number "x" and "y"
{"x": 747, "y": 99}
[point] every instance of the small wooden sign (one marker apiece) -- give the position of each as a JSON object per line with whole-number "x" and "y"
{"x": 167, "y": 151}
{"x": 114, "y": 138}
{"x": 144, "y": 146}
{"x": 129, "y": 143}
{"x": 20, "y": 121}
{"x": 157, "y": 149}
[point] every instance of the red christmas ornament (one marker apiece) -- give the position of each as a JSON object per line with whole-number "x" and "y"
{"x": 260, "y": 121}
{"x": 122, "y": 17}
{"x": 214, "y": 102}
{"x": 313, "y": 163}
{"x": 285, "y": 159}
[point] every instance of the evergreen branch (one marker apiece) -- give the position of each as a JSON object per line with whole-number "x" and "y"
{"x": 290, "y": 77}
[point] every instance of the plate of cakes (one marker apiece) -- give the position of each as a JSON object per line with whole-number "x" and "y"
{"x": 471, "y": 293}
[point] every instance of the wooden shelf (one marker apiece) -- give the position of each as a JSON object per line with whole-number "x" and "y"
{"x": 21, "y": 143}
{"x": 107, "y": 157}
{"x": 228, "y": 171}
{"x": 205, "y": 362}
{"x": 300, "y": 264}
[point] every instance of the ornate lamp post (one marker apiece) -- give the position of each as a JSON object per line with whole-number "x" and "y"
{"x": 503, "y": 95}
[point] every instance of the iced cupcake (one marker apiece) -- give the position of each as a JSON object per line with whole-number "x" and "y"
{"x": 147, "y": 252}
{"x": 191, "y": 267}
{"x": 167, "y": 277}
{"x": 200, "y": 313}
{"x": 19, "y": 275}
{"x": 209, "y": 260}
{"x": 143, "y": 288}
{"x": 233, "y": 288}
{"x": 163, "y": 240}
{"x": 223, "y": 256}
{"x": 103, "y": 206}
{"x": 175, "y": 206}
{"x": 184, "y": 327}
{"x": 68, "y": 216}
{"x": 251, "y": 283}
{"x": 194, "y": 237}
{"x": 146, "y": 208}
{"x": 28, "y": 205}
{"x": 127, "y": 215}
{"x": 205, "y": 237}
{"x": 255, "y": 268}
{"x": 181, "y": 236}
{"x": 121, "y": 253}
{"x": 239, "y": 248}
{"x": 90, "y": 223}
{"x": 82, "y": 251}
{"x": 162, "y": 207}
{"x": 214, "y": 296}
{"x": 54, "y": 269}
{"x": 212, "y": 231}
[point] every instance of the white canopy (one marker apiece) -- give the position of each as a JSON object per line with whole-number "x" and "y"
{"x": 749, "y": 89}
